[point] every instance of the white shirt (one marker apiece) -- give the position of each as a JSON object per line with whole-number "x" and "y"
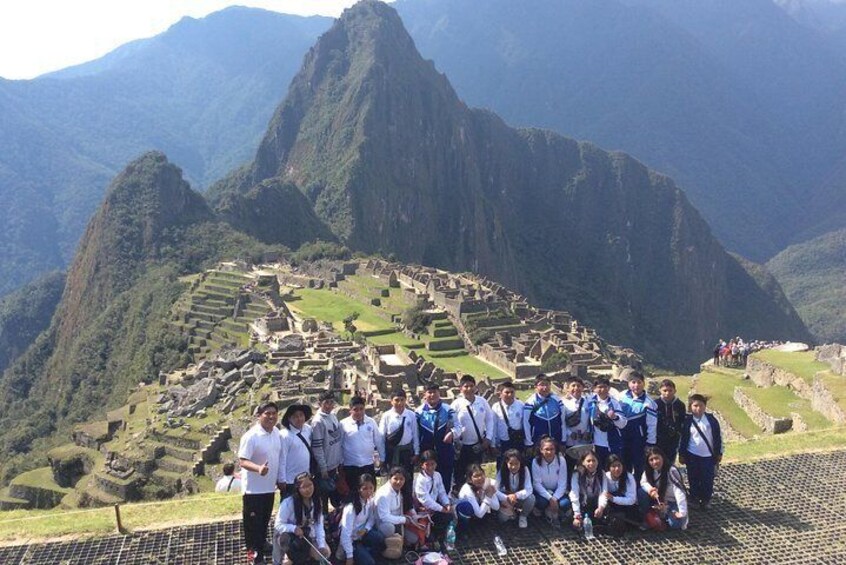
{"x": 360, "y": 441}
{"x": 628, "y": 499}
{"x": 674, "y": 492}
{"x": 463, "y": 429}
{"x": 355, "y": 526}
{"x": 480, "y": 508}
{"x": 390, "y": 422}
{"x": 430, "y": 491}
{"x": 231, "y": 483}
{"x": 550, "y": 479}
{"x": 575, "y": 434}
{"x": 600, "y": 438}
{"x": 514, "y": 417}
{"x": 576, "y": 490}
{"x": 326, "y": 440}
{"x": 389, "y": 505}
{"x": 514, "y": 483}
{"x": 260, "y": 446}
{"x": 697, "y": 445}
{"x": 294, "y": 453}
{"x": 286, "y": 522}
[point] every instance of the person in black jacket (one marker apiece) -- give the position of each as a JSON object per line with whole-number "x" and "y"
{"x": 671, "y": 413}
{"x": 701, "y": 450}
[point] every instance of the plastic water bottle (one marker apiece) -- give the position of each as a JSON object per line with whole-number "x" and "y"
{"x": 449, "y": 540}
{"x": 588, "y": 528}
{"x": 500, "y": 546}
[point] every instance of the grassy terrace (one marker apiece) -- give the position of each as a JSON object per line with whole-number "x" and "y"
{"x": 718, "y": 386}
{"x": 801, "y": 364}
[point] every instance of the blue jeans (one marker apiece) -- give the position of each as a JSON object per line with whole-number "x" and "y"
{"x": 700, "y": 474}
{"x": 542, "y": 504}
{"x": 369, "y": 548}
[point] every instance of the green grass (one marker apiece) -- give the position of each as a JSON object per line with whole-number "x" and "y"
{"x": 398, "y": 338}
{"x": 780, "y": 402}
{"x": 785, "y": 444}
{"x": 466, "y": 364}
{"x": 802, "y": 363}
{"x": 332, "y": 307}
{"x": 35, "y": 524}
{"x": 39, "y": 478}
{"x": 719, "y": 387}
{"x": 837, "y": 386}
{"x": 683, "y": 385}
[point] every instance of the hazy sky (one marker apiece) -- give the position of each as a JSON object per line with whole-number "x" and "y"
{"x": 38, "y": 36}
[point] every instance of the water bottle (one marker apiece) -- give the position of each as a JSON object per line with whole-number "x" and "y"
{"x": 500, "y": 546}
{"x": 449, "y": 540}
{"x": 588, "y": 528}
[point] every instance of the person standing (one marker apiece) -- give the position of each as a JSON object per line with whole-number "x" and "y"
{"x": 543, "y": 414}
{"x": 606, "y": 418}
{"x": 435, "y": 420}
{"x": 473, "y": 429}
{"x": 508, "y": 418}
{"x": 576, "y": 419}
{"x": 327, "y": 449}
{"x": 361, "y": 440}
{"x": 701, "y": 450}
{"x": 296, "y": 446}
{"x": 671, "y": 413}
{"x": 398, "y": 429}
{"x": 641, "y": 423}
{"x": 260, "y": 456}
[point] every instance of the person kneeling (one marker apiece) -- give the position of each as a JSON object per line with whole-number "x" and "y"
{"x": 618, "y": 502}
{"x": 586, "y": 487}
{"x": 298, "y": 529}
{"x": 515, "y": 489}
{"x": 394, "y": 516}
{"x": 476, "y": 498}
{"x": 662, "y": 490}
{"x": 361, "y": 542}
{"x": 431, "y": 496}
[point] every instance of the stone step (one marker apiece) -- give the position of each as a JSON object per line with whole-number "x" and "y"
{"x": 219, "y": 289}
{"x": 174, "y": 465}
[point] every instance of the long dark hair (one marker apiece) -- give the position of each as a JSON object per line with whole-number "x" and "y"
{"x": 663, "y": 479}
{"x": 299, "y": 502}
{"x": 472, "y": 469}
{"x": 356, "y": 496}
{"x": 504, "y": 479}
{"x": 583, "y": 475}
{"x": 622, "y": 482}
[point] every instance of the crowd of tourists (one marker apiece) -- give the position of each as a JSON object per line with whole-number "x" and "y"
{"x": 734, "y": 352}
{"x": 588, "y": 460}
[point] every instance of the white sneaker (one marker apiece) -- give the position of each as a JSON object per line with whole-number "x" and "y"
{"x": 522, "y": 522}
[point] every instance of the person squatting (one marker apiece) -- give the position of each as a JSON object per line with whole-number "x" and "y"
{"x": 589, "y": 460}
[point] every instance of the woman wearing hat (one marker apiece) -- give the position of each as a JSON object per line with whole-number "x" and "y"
{"x": 296, "y": 446}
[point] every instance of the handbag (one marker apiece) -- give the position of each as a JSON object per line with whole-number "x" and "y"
{"x": 515, "y": 435}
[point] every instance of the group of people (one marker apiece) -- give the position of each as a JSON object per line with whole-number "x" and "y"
{"x": 735, "y": 352}
{"x": 586, "y": 459}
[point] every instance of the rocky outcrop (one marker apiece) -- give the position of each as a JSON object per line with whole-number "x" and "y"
{"x": 824, "y": 402}
{"x": 769, "y": 424}
{"x": 765, "y": 374}
{"x": 835, "y": 355}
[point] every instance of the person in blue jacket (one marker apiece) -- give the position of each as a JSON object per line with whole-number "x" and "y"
{"x": 543, "y": 415}
{"x": 435, "y": 419}
{"x": 701, "y": 450}
{"x": 641, "y": 428}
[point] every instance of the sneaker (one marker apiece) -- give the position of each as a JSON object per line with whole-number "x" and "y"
{"x": 522, "y": 522}
{"x": 251, "y": 556}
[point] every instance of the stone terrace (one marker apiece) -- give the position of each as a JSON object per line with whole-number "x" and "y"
{"x": 784, "y": 510}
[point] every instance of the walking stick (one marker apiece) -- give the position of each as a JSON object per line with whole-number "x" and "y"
{"x": 317, "y": 551}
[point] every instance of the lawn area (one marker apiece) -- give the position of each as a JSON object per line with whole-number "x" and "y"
{"x": 34, "y": 524}
{"x": 399, "y": 338}
{"x": 801, "y": 363}
{"x": 332, "y": 307}
{"x": 784, "y": 444}
{"x": 780, "y": 401}
{"x": 466, "y": 364}
{"x": 719, "y": 387}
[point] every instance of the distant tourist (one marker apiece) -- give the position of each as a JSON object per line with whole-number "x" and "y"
{"x": 663, "y": 498}
{"x": 259, "y": 455}
{"x": 296, "y": 446}
{"x": 508, "y": 418}
{"x": 671, "y": 413}
{"x": 230, "y": 481}
{"x": 516, "y": 496}
{"x": 361, "y": 442}
{"x": 473, "y": 428}
{"x": 542, "y": 414}
{"x": 641, "y": 422}
{"x": 326, "y": 436}
{"x": 298, "y": 529}
{"x": 435, "y": 419}
{"x": 607, "y": 419}
{"x": 701, "y": 450}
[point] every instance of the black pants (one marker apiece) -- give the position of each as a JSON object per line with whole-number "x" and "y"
{"x": 256, "y": 516}
{"x": 467, "y": 457}
{"x": 402, "y": 456}
{"x": 353, "y": 475}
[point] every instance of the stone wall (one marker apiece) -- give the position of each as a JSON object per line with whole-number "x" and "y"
{"x": 835, "y": 355}
{"x": 765, "y": 374}
{"x": 769, "y": 424}
{"x": 823, "y": 402}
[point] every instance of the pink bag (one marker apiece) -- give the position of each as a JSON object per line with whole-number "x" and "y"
{"x": 433, "y": 558}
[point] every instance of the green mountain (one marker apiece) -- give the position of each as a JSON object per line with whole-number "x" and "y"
{"x": 111, "y": 328}
{"x": 202, "y": 92}
{"x": 394, "y": 162}
{"x": 813, "y": 275}
{"x": 26, "y": 313}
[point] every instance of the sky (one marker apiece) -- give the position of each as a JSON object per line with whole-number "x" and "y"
{"x": 39, "y": 36}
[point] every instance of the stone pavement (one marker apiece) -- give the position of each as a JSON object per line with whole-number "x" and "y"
{"x": 786, "y": 510}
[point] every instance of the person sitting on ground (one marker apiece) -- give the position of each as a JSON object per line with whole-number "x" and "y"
{"x": 230, "y": 481}
{"x": 618, "y": 503}
{"x": 299, "y": 525}
{"x": 361, "y": 542}
{"x": 586, "y": 487}
{"x": 393, "y": 516}
{"x": 662, "y": 492}
{"x": 515, "y": 489}
{"x": 549, "y": 479}
{"x": 430, "y": 495}
{"x": 477, "y": 497}
{"x": 701, "y": 450}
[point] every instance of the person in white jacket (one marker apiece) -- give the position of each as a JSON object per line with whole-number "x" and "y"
{"x": 361, "y": 541}
{"x": 514, "y": 485}
{"x": 618, "y": 502}
{"x": 430, "y": 495}
{"x": 665, "y": 493}
{"x": 391, "y": 512}
{"x": 300, "y": 517}
{"x": 476, "y": 498}
{"x": 586, "y": 486}
{"x": 549, "y": 479}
